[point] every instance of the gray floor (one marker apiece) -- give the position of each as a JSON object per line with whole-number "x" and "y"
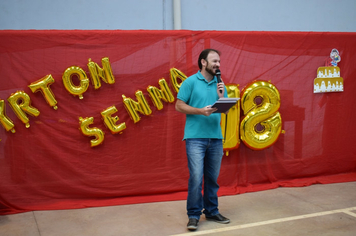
{"x": 328, "y": 210}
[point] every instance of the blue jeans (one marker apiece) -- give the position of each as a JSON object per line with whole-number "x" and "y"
{"x": 204, "y": 159}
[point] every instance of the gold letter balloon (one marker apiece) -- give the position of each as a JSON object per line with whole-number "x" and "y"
{"x": 157, "y": 95}
{"x": 24, "y": 106}
{"x": 262, "y": 124}
{"x": 4, "y": 120}
{"x": 70, "y": 86}
{"x": 43, "y": 86}
{"x": 133, "y": 107}
{"x": 105, "y": 73}
{"x": 87, "y": 131}
{"x": 110, "y": 121}
{"x": 175, "y": 74}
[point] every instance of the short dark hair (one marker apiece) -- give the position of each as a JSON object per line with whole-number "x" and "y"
{"x": 204, "y": 55}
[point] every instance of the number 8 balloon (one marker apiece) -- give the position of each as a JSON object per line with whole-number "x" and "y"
{"x": 262, "y": 124}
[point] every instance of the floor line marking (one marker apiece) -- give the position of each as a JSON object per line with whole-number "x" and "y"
{"x": 267, "y": 222}
{"x": 350, "y": 213}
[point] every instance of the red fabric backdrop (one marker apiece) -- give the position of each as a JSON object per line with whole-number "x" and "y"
{"x": 52, "y": 166}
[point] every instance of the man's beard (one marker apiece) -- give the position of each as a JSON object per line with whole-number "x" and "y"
{"x": 210, "y": 71}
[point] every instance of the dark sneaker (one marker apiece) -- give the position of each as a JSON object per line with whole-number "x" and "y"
{"x": 218, "y": 218}
{"x": 192, "y": 224}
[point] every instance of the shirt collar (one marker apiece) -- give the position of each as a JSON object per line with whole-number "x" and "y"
{"x": 201, "y": 77}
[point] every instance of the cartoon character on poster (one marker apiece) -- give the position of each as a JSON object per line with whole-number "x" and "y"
{"x": 335, "y": 57}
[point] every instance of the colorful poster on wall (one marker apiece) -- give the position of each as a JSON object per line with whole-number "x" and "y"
{"x": 328, "y": 77}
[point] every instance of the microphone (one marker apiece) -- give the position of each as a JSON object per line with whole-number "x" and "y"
{"x": 218, "y": 76}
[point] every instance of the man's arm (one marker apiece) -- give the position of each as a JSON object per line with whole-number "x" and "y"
{"x": 186, "y": 109}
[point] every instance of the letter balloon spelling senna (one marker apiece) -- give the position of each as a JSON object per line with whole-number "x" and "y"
{"x": 87, "y": 131}
{"x": 43, "y": 86}
{"x": 157, "y": 95}
{"x": 175, "y": 74}
{"x": 262, "y": 124}
{"x": 110, "y": 121}
{"x": 133, "y": 107}
{"x": 230, "y": 122}
{"x": 70, "y": 86}
{"x": 22, "y": 107}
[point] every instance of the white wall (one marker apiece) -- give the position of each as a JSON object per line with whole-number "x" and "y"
{"x": 235, "y": 15}
{"x": 270, "y": 15}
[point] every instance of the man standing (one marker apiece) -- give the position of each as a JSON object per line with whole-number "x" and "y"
{"x": 203, "y": 137}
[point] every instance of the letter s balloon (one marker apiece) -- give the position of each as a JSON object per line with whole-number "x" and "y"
{"x": 87, "y": 131}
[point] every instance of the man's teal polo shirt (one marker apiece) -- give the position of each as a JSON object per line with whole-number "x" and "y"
{"x": 197, "y": 92}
